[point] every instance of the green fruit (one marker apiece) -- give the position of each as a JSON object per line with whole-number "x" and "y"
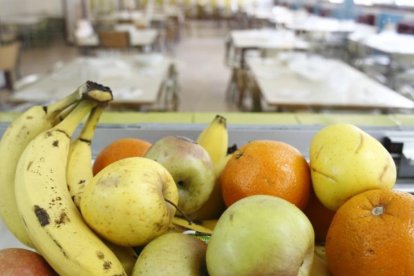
{"x": 261, "y": 235}
{"x": 172, "y": 254}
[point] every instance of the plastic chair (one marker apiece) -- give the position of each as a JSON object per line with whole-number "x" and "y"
{"x": 114, "y": 39}
{"x": 9, "y": 56}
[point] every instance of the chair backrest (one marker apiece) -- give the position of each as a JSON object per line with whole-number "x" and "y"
{"x": 385, "y": 19}
{"x": 9, "y": 55}
{"x": 114, "y": 39}
{"x": 405, "y": 27}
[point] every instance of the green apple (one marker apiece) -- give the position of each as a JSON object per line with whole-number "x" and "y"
{"x": 214, "y": 206}
{"x": 172, "y": 254}
{"x": 345, "y": 161}
{"x": 261, "y": 235}
{"x": 191, "y": 167}
{"x": 129, "y": 202}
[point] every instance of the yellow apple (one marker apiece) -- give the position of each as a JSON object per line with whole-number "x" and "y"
{"x": 345, "y": 161}
{"x": 131, "y": 201}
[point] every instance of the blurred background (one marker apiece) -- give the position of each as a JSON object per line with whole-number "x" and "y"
{"x": 318, "y": 56}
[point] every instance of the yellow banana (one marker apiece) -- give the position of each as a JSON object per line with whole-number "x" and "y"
{"x": 79, "y": 173}
{"x": 79, "y": 167}
{"x": 52, "y": 220}
{"x": 15, "y": 138}
{"x": 215, "y": 139}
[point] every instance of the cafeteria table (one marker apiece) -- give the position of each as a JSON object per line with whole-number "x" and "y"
{"x": 301, "y": 81}
{"x": 135, "y": 80}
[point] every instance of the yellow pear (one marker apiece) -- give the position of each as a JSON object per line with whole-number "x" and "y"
{"x": 345, "y": 161}
{"x": 172, "y": 254}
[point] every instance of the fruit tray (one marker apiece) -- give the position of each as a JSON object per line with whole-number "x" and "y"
{"x": 399, "y": 141}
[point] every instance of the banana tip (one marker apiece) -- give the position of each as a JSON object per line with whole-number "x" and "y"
{"x": 221, "y": 119}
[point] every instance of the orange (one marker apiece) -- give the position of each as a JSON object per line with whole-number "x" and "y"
{"x": 320, "y": 217}
{"x": 266, "y": 167}
{"x": 372, "y": 234}
{"x": 119, "y": 149}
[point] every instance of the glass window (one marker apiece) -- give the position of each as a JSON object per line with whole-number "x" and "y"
{"x": 404, "y": 3}
{"x": 364, "y": 2}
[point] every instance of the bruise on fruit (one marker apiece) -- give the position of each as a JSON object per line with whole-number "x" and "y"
{"x": 62, "y": 219}
{"x": 82, "y": 181}
{"x": 56, "y": 143}
{"x": 369, "y": 251}
{"x": 107, "y": 265}
{"x": 231, "y": 217}
{"x": 41, "y": 215}
{"x": 29, "y": 165}
{"x": 158, "y": 226}
{"x": 109, "y": 181}
{"x": 383, "y": 172}
{"x": 324, "y": 174}
{"x": 58, "y": 245}
{"x": 55, "y": 201}
{"x": 100, "y": 255}
{"x": 319, "y": 152}
{"x": 361, "y": 142}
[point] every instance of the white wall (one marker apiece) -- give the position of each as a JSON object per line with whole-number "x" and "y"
{"x": 23, "y": 7}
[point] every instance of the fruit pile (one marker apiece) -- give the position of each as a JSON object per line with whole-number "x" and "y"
{"x": 181, "y": 207}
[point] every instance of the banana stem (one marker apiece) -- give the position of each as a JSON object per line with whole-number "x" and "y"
{"x": 62, "y": 104}
{"x": 71, "y": 122}
{"x": 97, "y": 92}
{"x": 88, "y": 131}
{"x": 65, "y": 112}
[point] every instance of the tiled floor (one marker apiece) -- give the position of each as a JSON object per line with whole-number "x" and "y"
{"x": 199, "y": 57}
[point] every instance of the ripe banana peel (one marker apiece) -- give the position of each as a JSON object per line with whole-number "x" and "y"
{"x": 79, "y": 167}
{"x": 215, "y": 139}
{"x": 193, "y": 226}
{"x": 15, "y": 139}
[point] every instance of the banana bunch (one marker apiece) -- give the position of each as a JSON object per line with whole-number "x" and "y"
{"x": 15, "y": 139}
{"x": 35, "y": 201}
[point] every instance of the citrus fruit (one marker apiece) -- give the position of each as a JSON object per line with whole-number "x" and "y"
{"x": 266, "y": 167}
{"x": 119, "y": 149}
{"x": 320, "y": 217}
{"x": 372, "y": 234}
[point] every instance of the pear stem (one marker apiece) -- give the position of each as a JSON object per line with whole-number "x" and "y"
{"x": 180, "y": 211}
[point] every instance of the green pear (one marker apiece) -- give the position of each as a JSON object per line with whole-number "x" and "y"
{"x": 172, "y": 254}
{"x": 345, "y": 161}
{"x": 261, "y": 235}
